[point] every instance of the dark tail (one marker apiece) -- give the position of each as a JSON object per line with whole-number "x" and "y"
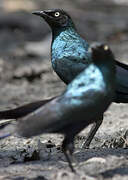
{"x": 124, "y": 66}
{"x": 7, "y": 129}
{"x": 22, "y": 110}
{"x": 121, "y": 83}
{"x": 17, "y": 113}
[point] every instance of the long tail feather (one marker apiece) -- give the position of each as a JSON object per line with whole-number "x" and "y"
{"x": 22, "y": 110}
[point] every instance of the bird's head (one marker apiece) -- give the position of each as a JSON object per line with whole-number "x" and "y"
{"x": 56, "y": 18}
{"x": 101, "y": 52}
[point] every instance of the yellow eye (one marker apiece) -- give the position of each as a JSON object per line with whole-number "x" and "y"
{"x": 106, "y": 47}
{"x": 57, "y": 14}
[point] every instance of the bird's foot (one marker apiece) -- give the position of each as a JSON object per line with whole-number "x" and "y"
{"x": 70, "y": 159}
{"x": 68, "y": 148}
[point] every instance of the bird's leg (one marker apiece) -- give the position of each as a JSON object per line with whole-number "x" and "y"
{"x": 68, "y": 147}
{"x": 92, "y": 133}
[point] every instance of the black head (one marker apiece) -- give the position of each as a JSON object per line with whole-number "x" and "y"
{"x": 101, "y": 52}
{"x": 55, "y": 18}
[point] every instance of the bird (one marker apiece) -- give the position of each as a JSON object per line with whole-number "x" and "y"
{"x": 69, "y": 57}
{"x": 84, "y": 100}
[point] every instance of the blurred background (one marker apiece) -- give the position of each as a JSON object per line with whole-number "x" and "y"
{"x": 25, "y": 67}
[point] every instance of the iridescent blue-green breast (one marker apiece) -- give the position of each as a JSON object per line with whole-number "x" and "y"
{"x": 69, "y": 54}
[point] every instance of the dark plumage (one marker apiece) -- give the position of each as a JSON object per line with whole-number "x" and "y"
{"x": 85, "y": 99}
{"x": 23, "y": 110}
{"x": 70, "y": 56}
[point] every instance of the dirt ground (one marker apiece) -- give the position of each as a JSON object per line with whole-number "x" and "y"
{"x": 26, "y": 75}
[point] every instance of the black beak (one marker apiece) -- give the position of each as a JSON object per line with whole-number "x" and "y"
{"x": 39, "y": 13}
{"x": 45, "y": 14}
